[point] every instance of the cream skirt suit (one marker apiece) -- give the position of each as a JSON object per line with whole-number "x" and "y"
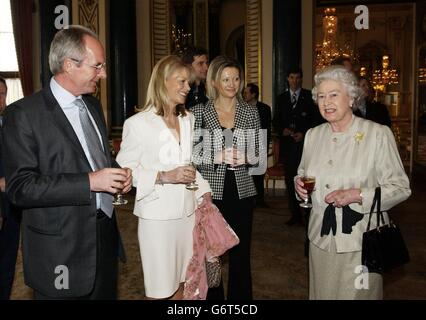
{"x": 165, "y": 212}
{"x": 365, "y": 156}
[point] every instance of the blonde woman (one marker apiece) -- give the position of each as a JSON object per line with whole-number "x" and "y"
{"x": 226, "y": 122}
{"x": 157, "y": 146}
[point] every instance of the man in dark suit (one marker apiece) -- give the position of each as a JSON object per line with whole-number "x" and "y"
{"x": 198, "y": 59}
{"x": 251, "y": 96}
{"x": 295, "y": 113}
{"x": 58, "y": 169}
{"x": 9, "y": 221}
{"x": 370, "y": 109}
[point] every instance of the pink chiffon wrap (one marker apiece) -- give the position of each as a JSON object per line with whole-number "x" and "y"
{"x": 212, "y": 238}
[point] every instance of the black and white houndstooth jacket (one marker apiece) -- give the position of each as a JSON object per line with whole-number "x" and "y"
{"x": 209, "y": 139}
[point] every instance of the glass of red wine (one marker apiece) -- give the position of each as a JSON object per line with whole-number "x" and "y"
{"x": 308, "y": 185}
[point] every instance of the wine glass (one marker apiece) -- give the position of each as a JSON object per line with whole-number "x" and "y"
{"x": 119, "y": 200}
{"x": 233, "y": 149}
{"x": 192, "y": 185}
{"x": 308, "y": 185}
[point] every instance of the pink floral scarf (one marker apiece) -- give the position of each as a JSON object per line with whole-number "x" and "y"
{"x": 212, "y": 238}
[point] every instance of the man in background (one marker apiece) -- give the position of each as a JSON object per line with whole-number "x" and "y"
{"x": 295, "y": 113}
{"x": 370, "y": 109}
{"x": 198, "y": 59}
{"x": 251, "y": 96}
{"x": 10, "y": 218}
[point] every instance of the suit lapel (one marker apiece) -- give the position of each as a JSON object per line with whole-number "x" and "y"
{"x": 211, "y": 118}
{"x": 60, "y": 120}
{"x": 239, "y": 112}
{"x": 299, "y": 102}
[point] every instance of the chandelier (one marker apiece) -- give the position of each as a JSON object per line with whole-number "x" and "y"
{"x": 385, "y": 76}
{"x": 180, "y": 40}
{"x": 329, "y": 49}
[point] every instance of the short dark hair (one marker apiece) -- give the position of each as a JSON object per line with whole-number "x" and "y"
{"x": 254, "y": 89}
{"x": 2, "y": 80}
{"x": 190, "y": 52}
{"x": 295, "y": 70}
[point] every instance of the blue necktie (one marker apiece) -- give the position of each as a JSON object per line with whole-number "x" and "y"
{"x": 96, "y": 152}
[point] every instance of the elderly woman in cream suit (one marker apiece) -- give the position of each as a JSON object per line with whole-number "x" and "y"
{"x": 157, "y": 146}
{"x": 349, "y": 157}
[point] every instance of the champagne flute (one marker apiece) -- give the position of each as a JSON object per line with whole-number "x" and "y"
{"x": 308, "y": 185}
{"x": 192, "y": 185}
{"x": 234, "y": 166}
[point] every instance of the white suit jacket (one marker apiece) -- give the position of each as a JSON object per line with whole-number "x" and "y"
{"x": 365, "y": 156}
{"x": 148, "y": 146}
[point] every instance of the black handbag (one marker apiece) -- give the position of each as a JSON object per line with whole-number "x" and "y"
{"x": 383, "y": 248}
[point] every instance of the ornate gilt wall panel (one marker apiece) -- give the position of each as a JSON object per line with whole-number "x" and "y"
{"x": 92, "y": 14}
{"x": 254, "y": 42}
{"x": 160, "y": 19}
{"x": 161, "y": 26}
{"x": 201, "y": 23}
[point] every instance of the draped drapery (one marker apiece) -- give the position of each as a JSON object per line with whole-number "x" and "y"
{"x": 22, "y": 29}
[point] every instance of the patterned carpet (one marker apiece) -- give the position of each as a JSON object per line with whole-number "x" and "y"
{"x": 278, "y": 264}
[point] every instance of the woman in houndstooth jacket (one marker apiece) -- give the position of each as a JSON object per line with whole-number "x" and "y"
{"x": 226, "y": 152}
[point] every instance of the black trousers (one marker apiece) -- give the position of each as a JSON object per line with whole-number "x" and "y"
{"x": 260, "y": 187}
{"x": 239, "y": 215}
{"x": 292, "y": 155}
{"x": 9, "y": 245}
{"x": 105, "y": 287}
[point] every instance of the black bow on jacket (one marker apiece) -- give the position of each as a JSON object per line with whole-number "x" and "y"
{"x": 349, "y": 219}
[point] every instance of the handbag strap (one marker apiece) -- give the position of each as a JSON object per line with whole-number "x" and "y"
{"x": 376, "y": 201}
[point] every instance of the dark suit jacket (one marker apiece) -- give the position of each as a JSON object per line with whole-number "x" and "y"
{"x": 3, "y": 198}
{"x": 304, "y": 115}
{"x": 377, "y": 112}
{"x": 196, "y": 95}
{"x": 47, "y": 175}
{"x": 265, "y": 115}
{"x": 6, "y": 209}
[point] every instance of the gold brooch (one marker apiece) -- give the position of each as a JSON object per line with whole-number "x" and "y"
{"x": 359, "y": 136}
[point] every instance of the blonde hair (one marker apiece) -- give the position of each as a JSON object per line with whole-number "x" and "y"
{"x": 215, "y": 72}
{"x": 157, "y": 96}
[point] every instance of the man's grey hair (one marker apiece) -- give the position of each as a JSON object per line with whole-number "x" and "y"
{"x": 339, "y": 74}
{"x": 68, "y": 43}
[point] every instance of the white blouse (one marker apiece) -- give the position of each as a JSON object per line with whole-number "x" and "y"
{"x": 148, "y": 146}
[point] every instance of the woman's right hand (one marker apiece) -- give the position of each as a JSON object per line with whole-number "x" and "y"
{"x": 180, "y": 175}
{"x": 301, "y": 191}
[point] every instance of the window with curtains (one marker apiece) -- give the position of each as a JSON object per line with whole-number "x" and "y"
{"x": 8, "y": 61}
